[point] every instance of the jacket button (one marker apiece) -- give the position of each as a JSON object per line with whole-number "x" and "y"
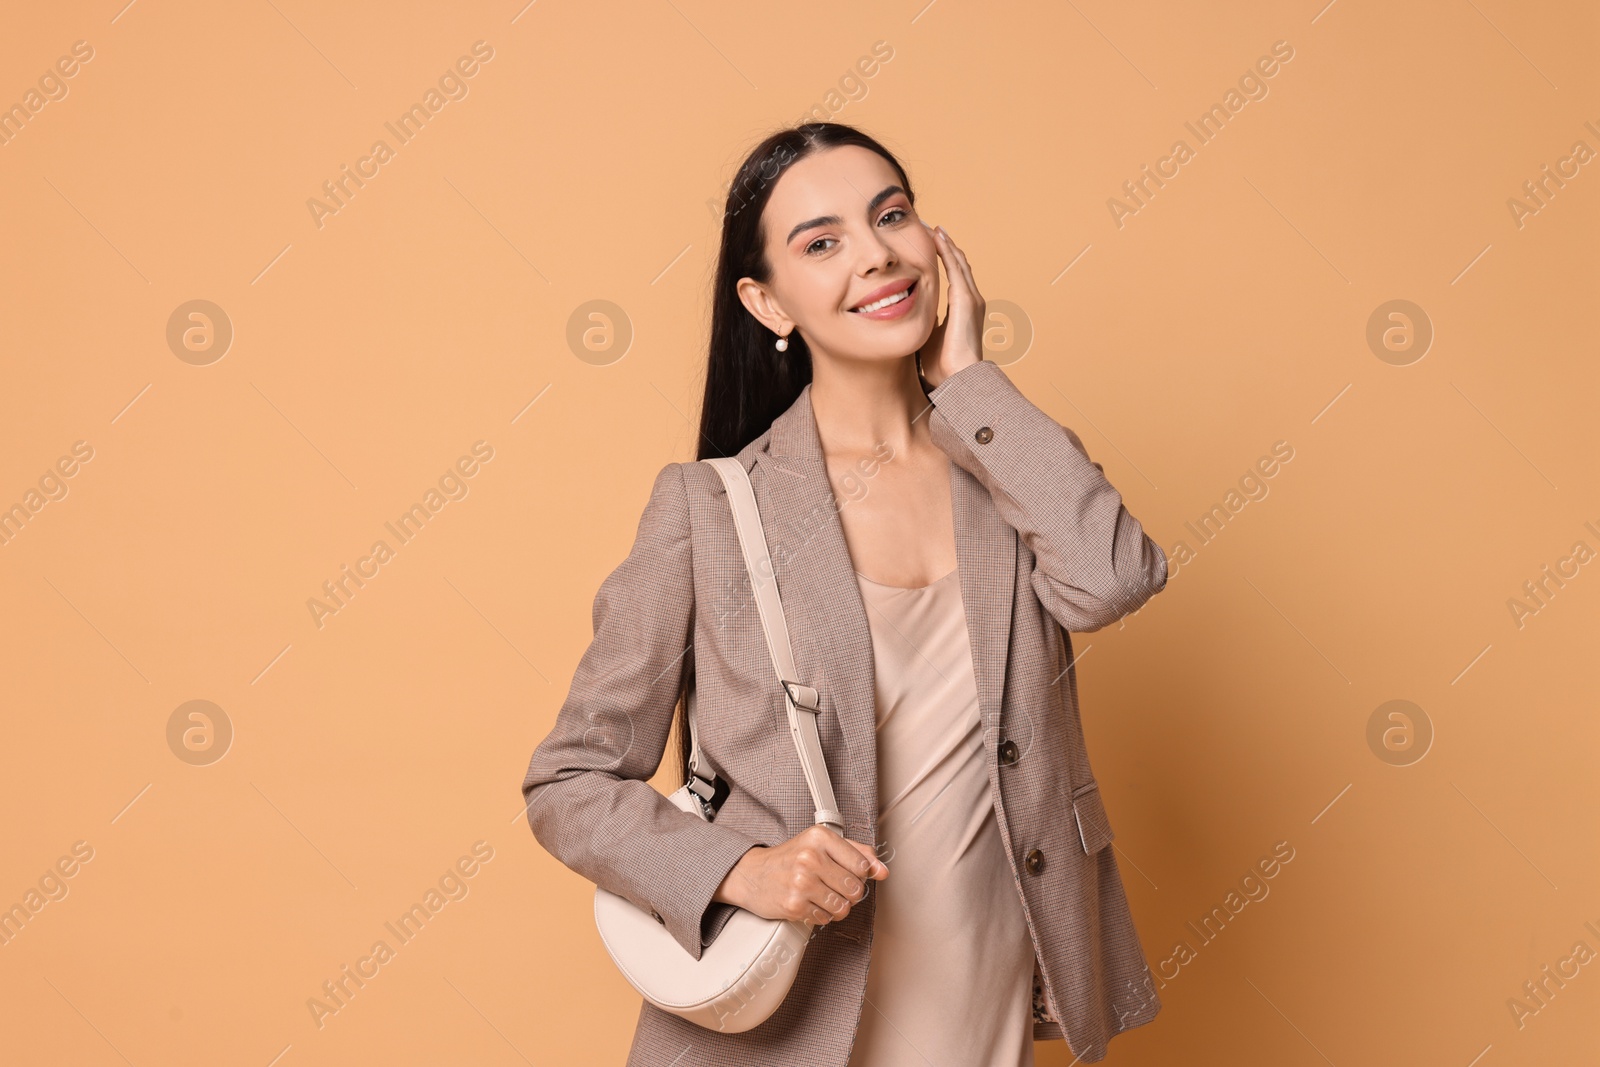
{"x": 1008, "y": 752}
{"x": 657, "y": 917}
{"x": 984, "y": 435}
{"x": 1035, "y": 861}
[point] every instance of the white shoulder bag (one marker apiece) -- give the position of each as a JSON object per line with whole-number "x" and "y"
{"x": 744, "y": 974}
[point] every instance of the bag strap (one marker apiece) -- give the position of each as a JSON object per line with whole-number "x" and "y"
{"x": 802, "y": 702}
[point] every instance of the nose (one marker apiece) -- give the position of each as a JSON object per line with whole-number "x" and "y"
{"x": 879, "y": 255}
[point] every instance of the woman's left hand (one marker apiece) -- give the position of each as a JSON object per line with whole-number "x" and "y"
{"x": 957, "y": 342}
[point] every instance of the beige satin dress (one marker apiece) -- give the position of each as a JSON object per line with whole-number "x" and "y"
{"x": 951, "y": 976}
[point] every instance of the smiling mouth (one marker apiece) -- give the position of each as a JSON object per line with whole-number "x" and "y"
{"x": 888, "y": 301}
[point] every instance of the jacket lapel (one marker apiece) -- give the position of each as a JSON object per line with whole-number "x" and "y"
{"x": 986, "y": 552}
{"x": 827, "y": 619}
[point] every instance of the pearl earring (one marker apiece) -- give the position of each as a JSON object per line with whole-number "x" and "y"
{"x": 782, "y": 344}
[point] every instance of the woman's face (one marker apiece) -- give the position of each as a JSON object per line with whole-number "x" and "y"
{"x": 841, "y": 234}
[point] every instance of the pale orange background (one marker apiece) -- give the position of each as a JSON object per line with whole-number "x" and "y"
{"x": 1229, "y": 313}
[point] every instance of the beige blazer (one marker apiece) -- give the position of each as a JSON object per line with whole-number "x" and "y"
{"x": 1044, "y": 546}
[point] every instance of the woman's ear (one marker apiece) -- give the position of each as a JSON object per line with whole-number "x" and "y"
{"x": 761, "y": 303}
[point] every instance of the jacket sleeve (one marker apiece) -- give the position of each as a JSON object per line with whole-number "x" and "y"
{"x": 587, "y": 790}
{"x": 1093, "y": 562}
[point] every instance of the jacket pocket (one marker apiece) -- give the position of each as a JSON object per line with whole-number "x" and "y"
{"x": 1094, "y": 829}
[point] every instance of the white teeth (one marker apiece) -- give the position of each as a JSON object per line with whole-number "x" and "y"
{"x": 885, "y": 302}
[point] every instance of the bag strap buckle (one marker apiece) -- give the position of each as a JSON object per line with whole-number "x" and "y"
{"x": 803, "y": 696}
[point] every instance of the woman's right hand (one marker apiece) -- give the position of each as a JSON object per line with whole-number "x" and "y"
{"x": 814, "y": 876}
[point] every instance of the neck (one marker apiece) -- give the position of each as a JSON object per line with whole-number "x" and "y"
{"x": 861, "y": 405}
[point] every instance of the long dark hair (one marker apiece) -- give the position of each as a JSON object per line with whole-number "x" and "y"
{"x": 748, "y": 381}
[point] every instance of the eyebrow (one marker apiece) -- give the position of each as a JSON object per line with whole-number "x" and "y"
{"x": 835, "y": 220}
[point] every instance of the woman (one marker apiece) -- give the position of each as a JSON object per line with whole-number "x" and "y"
{"x": 934, "y": 536}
